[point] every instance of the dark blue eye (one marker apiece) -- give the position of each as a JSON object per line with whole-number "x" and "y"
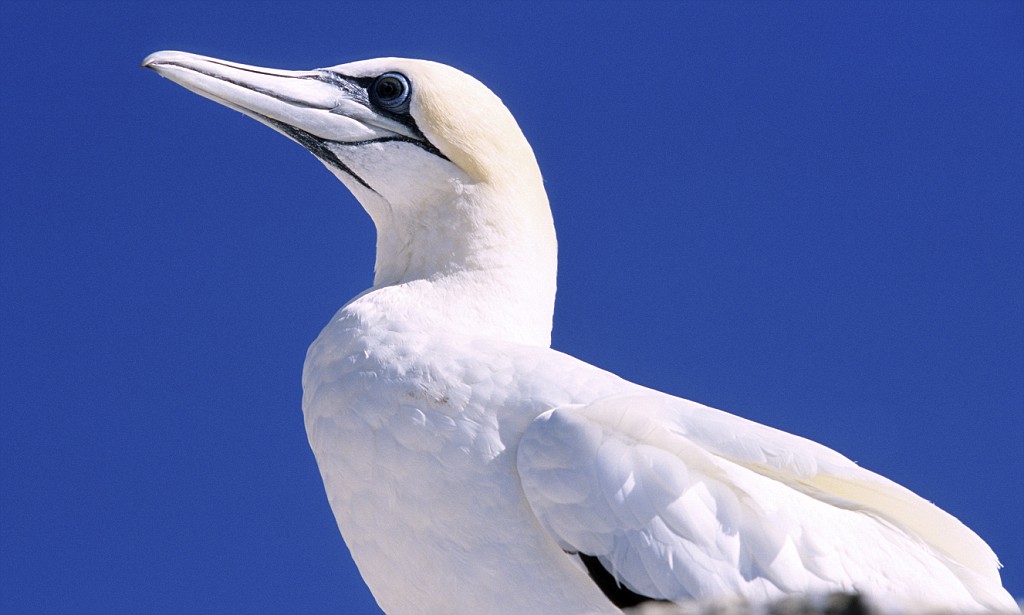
{"x": 391, "y": 91}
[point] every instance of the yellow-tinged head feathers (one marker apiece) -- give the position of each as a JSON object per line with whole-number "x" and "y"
{"x": 460, "y": 116}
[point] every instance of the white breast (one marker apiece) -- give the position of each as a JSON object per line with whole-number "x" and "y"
{"x": 415, "y": 437}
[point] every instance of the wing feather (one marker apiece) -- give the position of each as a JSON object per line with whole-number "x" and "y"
{"x": 679, "y": 500}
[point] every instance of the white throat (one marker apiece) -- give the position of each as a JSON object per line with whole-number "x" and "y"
{"x": 470, "y": 259}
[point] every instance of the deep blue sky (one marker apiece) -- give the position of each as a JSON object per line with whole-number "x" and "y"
{"x": 810, "y": 214}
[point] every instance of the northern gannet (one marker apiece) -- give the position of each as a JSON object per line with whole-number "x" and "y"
{"x": 473, "y": 469}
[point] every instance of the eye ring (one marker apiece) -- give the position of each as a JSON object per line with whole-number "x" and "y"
{"x": 391, "y": 91}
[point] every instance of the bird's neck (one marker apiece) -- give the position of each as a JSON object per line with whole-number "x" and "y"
{"x": 481, "y": 263}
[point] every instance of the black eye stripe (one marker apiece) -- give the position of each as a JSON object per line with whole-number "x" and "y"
{"x": 354, "y": 87}
{"x": 358, "y": 89}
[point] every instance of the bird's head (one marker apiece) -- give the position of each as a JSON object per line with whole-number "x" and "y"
{"x": 434, "y": 156}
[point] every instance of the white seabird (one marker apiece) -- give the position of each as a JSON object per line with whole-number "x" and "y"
{"x": 473, "y": 469}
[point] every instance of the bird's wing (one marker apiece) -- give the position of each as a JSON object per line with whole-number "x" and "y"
{"x": 680, "y": 500}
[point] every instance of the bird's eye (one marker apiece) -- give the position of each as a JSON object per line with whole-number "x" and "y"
{"x": 391, "y": 91}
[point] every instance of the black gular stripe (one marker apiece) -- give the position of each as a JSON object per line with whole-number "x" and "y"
{"x": 317, "y": 146}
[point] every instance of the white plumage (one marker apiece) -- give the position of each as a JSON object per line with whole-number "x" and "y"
{"x": 471, "y": 468}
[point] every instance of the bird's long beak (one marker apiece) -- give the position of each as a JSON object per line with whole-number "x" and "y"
{"x": 318, "y": 104}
